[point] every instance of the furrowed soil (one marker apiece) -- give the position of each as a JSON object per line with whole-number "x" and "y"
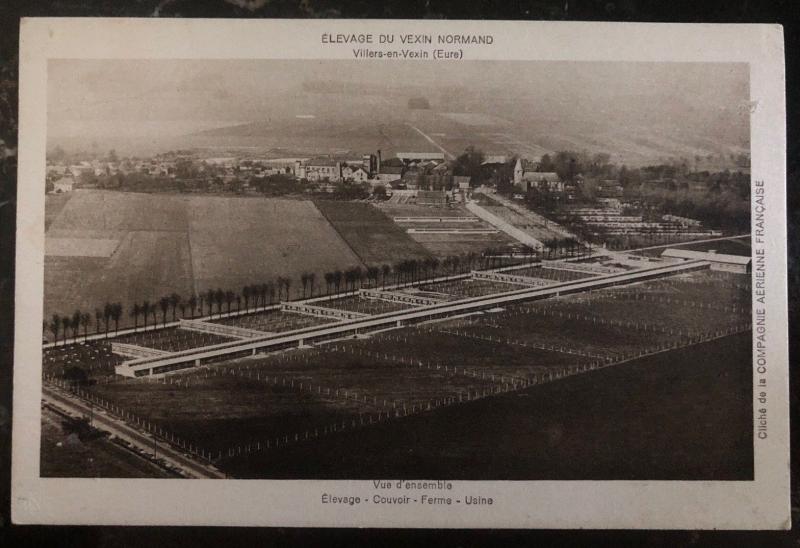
{"x": 372, "y": 236}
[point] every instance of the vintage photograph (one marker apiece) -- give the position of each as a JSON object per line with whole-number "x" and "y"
{"x": 357, "y": 269}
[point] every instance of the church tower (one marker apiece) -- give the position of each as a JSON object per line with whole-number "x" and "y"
{"x": 518, "y": 172}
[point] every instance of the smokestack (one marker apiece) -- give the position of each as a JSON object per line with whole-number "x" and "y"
{"x": 379, "y": 160}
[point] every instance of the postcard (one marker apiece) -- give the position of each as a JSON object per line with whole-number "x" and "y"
{"x": 401, "y": 274}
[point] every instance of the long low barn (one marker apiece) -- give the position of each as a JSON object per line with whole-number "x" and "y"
{"x": 270, "y": 342}
{"x": 719, "y": 261}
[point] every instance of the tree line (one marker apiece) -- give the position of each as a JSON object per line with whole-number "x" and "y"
{"x": 259, "y": 295}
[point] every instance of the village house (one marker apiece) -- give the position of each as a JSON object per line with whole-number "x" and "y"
{"x": 389, "y": 174}
{"x": 319, "y": 169}
{"x": 64, "y": 184}
{"x": 357, "y": 174}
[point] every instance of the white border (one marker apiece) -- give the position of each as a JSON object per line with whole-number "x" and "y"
{"x": 760, "y": 504}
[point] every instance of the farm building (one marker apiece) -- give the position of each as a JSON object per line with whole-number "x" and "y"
{"x": 320, "y": 169}
{"x": 719, "y": 261}
{"x": 420, "y": 156}
{"x": 64, "y": 184}
{"x": 389, "y": 174}
{"x": 525, "y": 178}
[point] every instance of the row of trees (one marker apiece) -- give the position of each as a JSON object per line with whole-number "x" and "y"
{"x": 61, "y": 325}
{"x": 253, "y": 296}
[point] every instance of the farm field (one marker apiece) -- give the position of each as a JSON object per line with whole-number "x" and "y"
{"x": 554, "y": 274}
{"x": 261, "y": 238}
{"x": 364, "y": 305}
{"x": 437, "y": 347}
{"x": 215, "y": 412}
{"x": 375, "y": 382}
{"x": 570, "y": 334}
{"x": 374, "y": 238}
{"x": 518, "y": 220}
{"x": 65, "y": 455}
{"x": 292, "y": 394}
{"x": 94, "y": 357}
{"x": 443, "y": 245}
{"x": 272, "y": 321}
{"x": 53, "y": 204}
{"x": 173, "y": 339}
{"x": 179, "y": 244}
{"x": 462, "y": 289}
{"x": 583, "y": 427}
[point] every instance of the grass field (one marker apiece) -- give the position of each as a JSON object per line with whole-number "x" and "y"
{"x": 682, "y": 415}
{"x": 372, "y": 236}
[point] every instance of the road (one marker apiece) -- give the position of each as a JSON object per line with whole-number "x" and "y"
{"x": 449, "y": 155}
{"x": 120, "y": 429}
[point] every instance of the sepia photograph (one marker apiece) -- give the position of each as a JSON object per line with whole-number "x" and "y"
{"x": 354, "y": 269}
{"x": 437, "y": 274}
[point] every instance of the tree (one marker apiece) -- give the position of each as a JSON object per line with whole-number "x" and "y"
{"x": 230, "y": 296}
{"x": 469, "y": 164}
{"x": 106, "y": 316}
{"x": 135, "y": 311}
{"x": 372, "y": 275}
{"x": 312, "y": 277}
{"x": 66, "y": 322}
{"x": 349, "y": 278}
{"x": 358, "y": 272}
{"x": 98, "y": 316}
{"x": 75, "y": 324}
{"x": 193, "y": 304}
{"x": 55, "y": 326}
{"x": 76, "y": 376}
{"x": 337, "y": 280}
{"x": 163, "y": 303}
{"x": 380, "y": 192}
{"x": 304, "y": 281}
{"x": 174, "y": 300}
{"x": 246, "y": 295}
{"x": 85, "y": 320}
{"x": 146, "y": 308}
{"x": 385, "y": 271}
{"x": 287, "y": 283}
{"x": 219, "y": 298}
{"x": 182, "y": 305}
{"x": 210, "y": 298}
{"x": 328, "y": 282}
{"x": 116, "y": 314}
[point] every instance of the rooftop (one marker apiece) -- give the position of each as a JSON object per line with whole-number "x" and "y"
{"x": 673, "y": 253}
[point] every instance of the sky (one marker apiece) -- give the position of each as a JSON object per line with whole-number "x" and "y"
{"x": 119, "y": 101}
